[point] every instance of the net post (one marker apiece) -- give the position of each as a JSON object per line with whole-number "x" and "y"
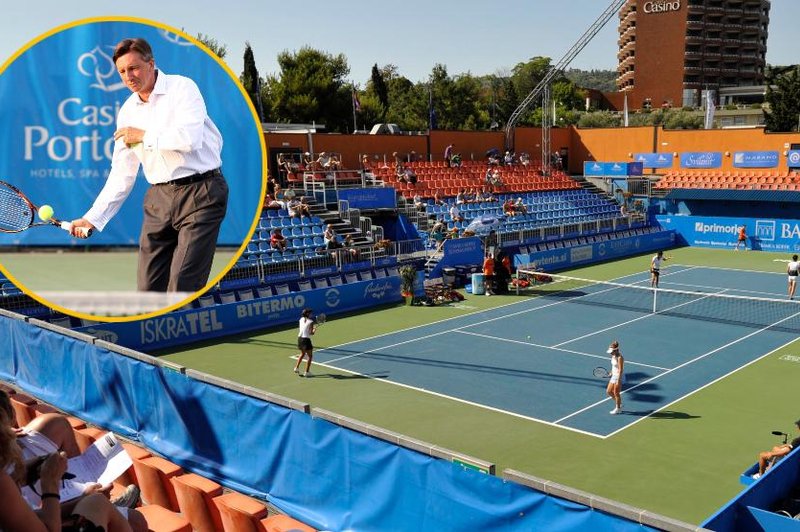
{"x": 655, "y": 299}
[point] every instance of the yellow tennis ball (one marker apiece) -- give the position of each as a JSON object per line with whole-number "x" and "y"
{"x": 45, "y": 212}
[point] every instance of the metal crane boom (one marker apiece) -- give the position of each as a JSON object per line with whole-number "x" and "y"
{"x": 556, "y": 69}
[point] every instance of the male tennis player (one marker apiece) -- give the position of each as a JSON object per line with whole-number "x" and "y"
{"x": 164, "y": 127}
{"x": 655, "y": 268}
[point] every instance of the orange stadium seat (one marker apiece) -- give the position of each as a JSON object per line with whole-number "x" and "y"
{"x": 153, "y": 474}
{"x": 23, "y": 408}
{"x": 159, "y": 519}
{"x": 195, "y": 499}
{"x": 284, "y": 523}
{"x": 241, "y": 513}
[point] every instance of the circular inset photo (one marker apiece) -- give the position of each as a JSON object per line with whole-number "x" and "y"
{"x": 132, "y": 173}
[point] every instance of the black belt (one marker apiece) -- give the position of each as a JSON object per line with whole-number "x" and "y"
{"x": 194, "y": 178}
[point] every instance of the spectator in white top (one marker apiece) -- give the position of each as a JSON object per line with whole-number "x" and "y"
{"x": 164, "y": 128}
{"x": 455, "y": 214}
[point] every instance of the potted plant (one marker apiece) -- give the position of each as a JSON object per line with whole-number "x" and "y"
{"x": 408, "y": 276}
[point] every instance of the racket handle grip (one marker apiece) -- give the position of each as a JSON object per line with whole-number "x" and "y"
{"x": 85, "y": 231}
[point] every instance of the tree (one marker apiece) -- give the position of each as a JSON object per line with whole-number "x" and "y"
{"x": 783, "y": 97}
{"x": 312, "y": 88}
{"x": 380, "y": 89}
{"x": 220, "y": 50}
{"x": 251, "y": 80}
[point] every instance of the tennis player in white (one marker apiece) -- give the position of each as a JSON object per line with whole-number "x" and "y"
{"x": 614, "y": 388}
{"x": 792, "y": 270}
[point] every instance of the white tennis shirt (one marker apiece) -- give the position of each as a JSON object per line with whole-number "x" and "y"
{"x": 180, "y": 140}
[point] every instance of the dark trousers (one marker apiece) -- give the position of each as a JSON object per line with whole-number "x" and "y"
{"x": 179, "y": 235}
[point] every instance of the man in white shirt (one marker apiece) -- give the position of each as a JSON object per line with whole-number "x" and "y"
{"x": 164, "y": 127}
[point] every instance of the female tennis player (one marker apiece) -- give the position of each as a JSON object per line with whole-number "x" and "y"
{"x": 614, "y": 387}
{"x": 655, "y": 267}
{"x": 792, "y": 269}
{"x": 307, "y": 329}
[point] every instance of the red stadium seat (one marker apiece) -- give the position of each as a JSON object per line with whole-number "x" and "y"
{"x": 196, "y": 501}
{"x": 159, "y": 519}
{"x": 241, "y": 513}
{"x": 153, "y": 474}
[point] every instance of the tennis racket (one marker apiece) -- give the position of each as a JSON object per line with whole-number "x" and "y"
{"x": 17, "y": 213}
{"x": 601, "y": 372}
{"x": 320, "y": 319}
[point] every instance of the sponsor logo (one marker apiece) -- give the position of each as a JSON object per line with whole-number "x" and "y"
{"x": 601, "y": 249}
{"x": 790, "y": 358}
{"x": 332, "y": 297}
{"x": 553, "y": 259}
{"x": 377, "y": 289}
{"x": 108, "y": 336}
{"x": 765, "y": 229}
{"x": 661, "y": 6}
{"x": 272, "y": 305}
{"x": 790, "y": 230}
{"x": 738, "y": 157}
{"x": 582, "y": 253}
{"x": 794, "y": 157}
{"x": 700, "y": 227}
{"x": 98, "y": 64}
{"x": 172, "y": 327}
{"x": 174, "y": 38}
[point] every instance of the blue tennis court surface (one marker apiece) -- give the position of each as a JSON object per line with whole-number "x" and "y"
{"x": 486, "y": 358}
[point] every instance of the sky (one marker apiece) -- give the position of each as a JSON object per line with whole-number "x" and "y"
{"x": 464, "y": 35}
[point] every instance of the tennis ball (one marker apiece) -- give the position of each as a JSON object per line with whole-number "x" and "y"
{"x": 45, "y": 212}
{"x": 529, "y": 337}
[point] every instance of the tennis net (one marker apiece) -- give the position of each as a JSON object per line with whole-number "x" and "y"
{"x": 754, "y": 312}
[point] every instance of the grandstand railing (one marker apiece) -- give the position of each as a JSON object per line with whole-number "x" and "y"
{"x": 557, "y": 232}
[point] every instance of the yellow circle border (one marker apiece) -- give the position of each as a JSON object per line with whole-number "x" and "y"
{"x": 264, "y": 170}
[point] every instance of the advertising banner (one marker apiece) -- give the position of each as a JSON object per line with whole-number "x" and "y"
{"x": 755, "y": 159}
{"x": 701, "y": 159}
{"x": 58, "y": 136}
{"x": 593, "y": 169}
{"x": 635, "y": 169}
{"x": 563, "y": 258}
{"x": 202, "y": 324}
{"x": 654, "y": 160}
{"x": 370, "y": 198}
{"x": 766, "y": 234}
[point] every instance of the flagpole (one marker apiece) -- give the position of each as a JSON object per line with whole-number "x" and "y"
{"x": 353, "y": 101}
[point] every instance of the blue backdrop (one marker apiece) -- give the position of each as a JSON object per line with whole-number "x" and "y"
{"x": 62, "y": 96}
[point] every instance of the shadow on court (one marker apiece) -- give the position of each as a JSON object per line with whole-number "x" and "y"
{"x": 346, "y": 377}
{"x": 663, "y": 414}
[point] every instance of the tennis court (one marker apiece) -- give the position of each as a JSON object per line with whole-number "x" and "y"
{"x": 487, "y": 358}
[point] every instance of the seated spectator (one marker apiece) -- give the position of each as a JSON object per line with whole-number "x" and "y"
{"x": 495, "y": 180}
{"x": 308, "y": 162}
{"x": 623, "y": 209}
{"x": 410, "y": 176}
{"x": 335, "y": 162}
{"x": 366, "y": 169}
{"x": 271, "y": 203}
{"x": 437, "y": 198}
{"x": 455, "y": 214}
{"x": 508, "y": 208}
{"x": 508, "y": 158}
{"x": 519, "y": 207}
{"x": 524, "y": 159}
{"x": 419, "y": 203}
{"x": 489, "y": 196}
{"x": 460, "y": 197}
{"x": 324, "y": 161}
{"x": 778, "y": 451}
{"x": 298, "y": 208}
{"x": 91, "y": 509}
{"x": 455, "y": 160}
{"x": 277, "y": 240}
{"x": 349, "y": 246}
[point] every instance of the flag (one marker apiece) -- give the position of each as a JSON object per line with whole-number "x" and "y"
{"x": 710, "y": 108}
{"x": 625, "y": 111}
{"x": 356, "y": 102}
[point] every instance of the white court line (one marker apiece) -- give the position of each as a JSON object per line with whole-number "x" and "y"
{"x": 692, "y": 361}
{"x": 463, "y": 401}
{"x": 673, "y": 283}
{"x": 558, "y": 349}
{"x": 733, "y": 269}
